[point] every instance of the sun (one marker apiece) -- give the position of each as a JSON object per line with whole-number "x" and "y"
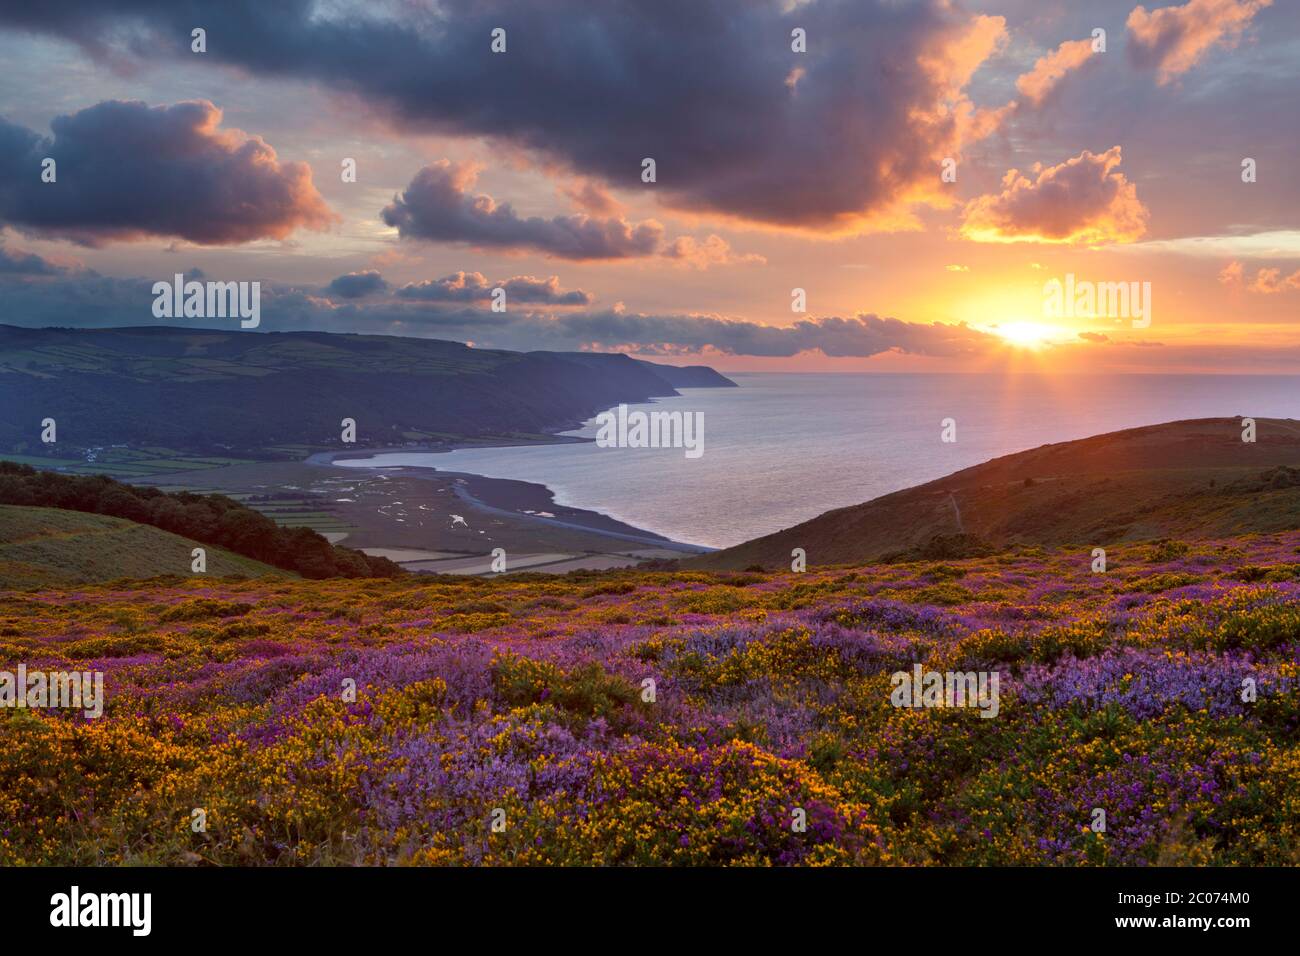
{"x": 1026, "y": 335}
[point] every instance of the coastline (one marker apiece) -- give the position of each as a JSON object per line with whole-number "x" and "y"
{"x": 514, "y": 505}
{"x": 431, "y": 520}
{"x": 517, "y": 499}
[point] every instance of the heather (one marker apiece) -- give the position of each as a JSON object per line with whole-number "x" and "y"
{"x": 527, "y": 699}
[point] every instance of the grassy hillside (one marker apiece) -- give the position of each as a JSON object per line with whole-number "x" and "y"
{"x": 224, "y": 393}
{"x": 210, "y": 519}
{"x": 772, "y": 693}
{"x": 1185, "y": 479}
{"x": 49, "y": 546}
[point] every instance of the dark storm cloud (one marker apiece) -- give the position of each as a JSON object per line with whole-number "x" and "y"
{"x": 356, "y": 285}
{"x": 127, "y": 171}
{"x": 438, "y": 205}
{"x": 475, "y": 287}
{"x": 736, "y": 121}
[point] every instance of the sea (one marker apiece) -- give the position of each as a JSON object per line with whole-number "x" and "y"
{"x": 785, "y": 447}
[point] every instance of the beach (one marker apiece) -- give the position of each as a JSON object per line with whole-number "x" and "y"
{"x": 432, "y": 521}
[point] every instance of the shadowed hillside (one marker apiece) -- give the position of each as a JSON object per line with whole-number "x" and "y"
{"x": 1181, "y": 479}
{"x": 221, "y": 392}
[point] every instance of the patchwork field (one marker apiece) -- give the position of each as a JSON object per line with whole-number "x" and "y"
{"x": 127, "y": 463}
{"x": 438, "y": 522}
{"x": 673, "y": 718}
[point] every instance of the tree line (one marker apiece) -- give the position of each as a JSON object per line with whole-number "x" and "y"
{"x": 208, "y": 519}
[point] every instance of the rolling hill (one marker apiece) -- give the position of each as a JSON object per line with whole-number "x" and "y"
{"x": 1180, "y": 479}
{"x": 218, "y": 392}
{"x": 46, "y": 547}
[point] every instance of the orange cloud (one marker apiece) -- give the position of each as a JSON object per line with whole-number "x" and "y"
{"x": 592, "y": 198}
{"x": 1267, "y": 281}
{"x": 1231, "y": 274}
{"x": 959, "y": 52}
{"x": 713, "y": 251}
{"x": 1172, "y": 40}
{"x": 1052, "y": 68}
{"x": 1270, "y": 281}
{"x": 1083, "y": 200}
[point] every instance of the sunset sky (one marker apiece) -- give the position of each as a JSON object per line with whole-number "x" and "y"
{"x": 775, "y": 170}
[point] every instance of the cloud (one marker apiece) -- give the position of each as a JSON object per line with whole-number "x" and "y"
{"x": 684, "y": 334}
{"x": 1267, "y": 281}
{"x": 1094, "y": 337}
{"x": 437, "y": 205}
{"x": 957, "y": 268}
{"x": 87, "y": 300}
{"x": 1049, "y": 70}
{"x": 713, "y": 251}
{"x": 1271, "y": 281}
{"x": 1232, "y": 274}
{"x": 28, "y": 264}
{"x": 674, "y": 334}
{"x": 1083, "y": 200}
{"x": 100, "y": 301}
{"x": 126, "y": 171}
{"x": 1172, "y": 40}
{"x": 861, "y": 336}
{"x": 881, "y": 98}
{"x": 79, "y": 300}
{"x": 1275, "y": 244}
{"x": 474, "y": 287}
{"x": 356, "y": 285}
{"x": 592, "y": 198}
{"x": 1034, "y": 87}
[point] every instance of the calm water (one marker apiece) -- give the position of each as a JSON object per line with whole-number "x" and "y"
{"x": 783, "y": 448}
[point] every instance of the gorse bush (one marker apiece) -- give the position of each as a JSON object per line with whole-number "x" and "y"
{"x": 391, "y": 721}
